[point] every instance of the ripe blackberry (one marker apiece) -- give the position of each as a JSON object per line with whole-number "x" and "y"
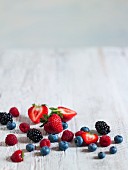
{"x": 102, "y": 127}
{"x": 34, "y": 134}
{"x": 1, "y": 114}
{"x": 5, "y": 118}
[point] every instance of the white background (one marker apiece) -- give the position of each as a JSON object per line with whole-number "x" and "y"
{"x": 63, "y": 23}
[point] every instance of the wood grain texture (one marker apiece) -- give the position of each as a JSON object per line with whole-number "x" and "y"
{"x": 94, "y": 82}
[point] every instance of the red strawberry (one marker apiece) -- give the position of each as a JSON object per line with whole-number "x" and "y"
{"x": 17, "y": 156}
{"x": 14, "y": 112}
{"x": 24, "y": 127}
{"x": 45, "y": 142}
{"x": 79, "y": 133}
{"x": 11, "y": 140}
{"x": 35, "y": 112}
{"x": 53, "y": 124}
{"x": 67, "y": 136}
{"x": 105, "y": 141}
{"x": 89, "y": 138}
{"x": 67, "y": 114}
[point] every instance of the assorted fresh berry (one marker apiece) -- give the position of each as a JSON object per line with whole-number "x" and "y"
{"x": 63, "y": 145}
{"x": 53, "y": 138}
{"x": 113, "y": 150}
{"x": 45, "y": 150}
{"x": 89, "y": 138}
{"x": 45, "y": 142}
{"x": 11, "y": 140}
{"x": 52, "y": 124}
{"x": 105, "y": 141}
{"x": 34, "y": 135}
{"x": 102, "y": 127}
{"x": 11, "y": 125}
{"x": 118, "y": 139}
{"x": 36, "y": 112}
{"x": 24, "y": 127}
{"x": 78, "y": 141}
{"x": 30, "y": 147}
{"x": 65, "y": 125}
{"x": 85, "y": 129}
{"x": 17, "y": 156}
{"x": 67, "y": 136}
{"x": 5, "y": 118}
{"x": 14, "y": 112}
{"x": 92, "y": 147}
{"x": 101, "y": 155}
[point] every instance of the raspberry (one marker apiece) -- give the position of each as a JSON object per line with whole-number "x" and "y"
{"x": 14, "y": 112}
{"x": 45, "y": 142}
{"x": 24, "y": 127}
{"x": 11, "y": 140}
{"x": 67, "y": 136}
{"x": 79, "y": 133}
{"x": 105, "y": 141}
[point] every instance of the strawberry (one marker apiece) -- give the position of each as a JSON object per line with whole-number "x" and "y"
{"x": 52, "y": 123}
{"x": 89, "y": 138}
{"x": 36, "y": 112}
{"x": 67, "y": 114}
{"x": 17, "y": 156}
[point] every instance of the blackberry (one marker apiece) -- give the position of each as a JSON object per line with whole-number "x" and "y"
{"x": 34, "y": 135}
{"x": 102, "y": 127}
{"x": 1, "y": 114}
{"x": 5, "y": 118}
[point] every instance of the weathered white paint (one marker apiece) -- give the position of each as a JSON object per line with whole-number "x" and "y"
{"x": 94, "y": 82}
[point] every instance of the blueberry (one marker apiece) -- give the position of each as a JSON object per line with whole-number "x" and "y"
{"x": 101, "y": 155}
{"x": 11, "y": 125}
{"x": 63, "y": 145}
{"x": 113, "y": 150}
{"x": 78, "y": 141}
{"x": 45, "y": 150}
{"x": 53, "y": 138}
{"x": 65, "y": 125}
{"x": 92, "y": 147}
{"x": 30, "y": 147}
{"x": 118, "y": 139}
{"x": 85, "y": 129}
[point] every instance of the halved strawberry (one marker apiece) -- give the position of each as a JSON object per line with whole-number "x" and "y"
{"x": 36, "y": 112}
{"x": 67, "y": 114}
{"x": 89, "y": 138}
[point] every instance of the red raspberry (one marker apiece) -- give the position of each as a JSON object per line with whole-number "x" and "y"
{"x": 105, "y": 141}
{"x": 11, "y": 140}
{"x": 79, "y": 133}
{"x": 24, "y": 127}
{"x": 45, "y": 142}
{"x": 67, "y": 136}
{"x": 14, "y": 112}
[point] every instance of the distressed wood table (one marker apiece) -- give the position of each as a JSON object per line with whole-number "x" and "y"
{"x": 92, "y": 81}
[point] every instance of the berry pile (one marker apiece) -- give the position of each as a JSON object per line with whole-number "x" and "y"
{"x": 55, "y": 123}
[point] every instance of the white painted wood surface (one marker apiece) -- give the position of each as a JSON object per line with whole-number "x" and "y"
{"x": 94, "y": 82}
